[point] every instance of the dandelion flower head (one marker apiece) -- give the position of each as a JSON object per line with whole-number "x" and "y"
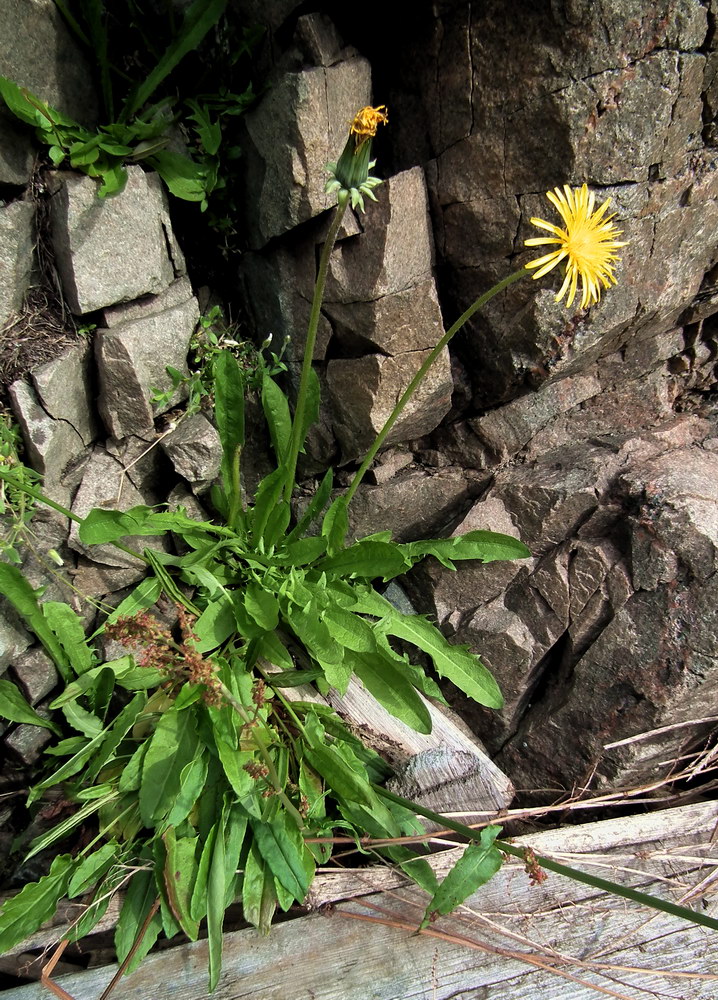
{"x": 366, "y": 122}
{"x": 587, "y": 244}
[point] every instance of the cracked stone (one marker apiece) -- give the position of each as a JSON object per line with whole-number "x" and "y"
{"x": 54, "y": 447}
{"x": 27, "y": 741}
{"x": 17, "y": 240}
{"x": 114, "y": 249}
{"x": 14, "y": 637}
{"x": 195, "y": 450}
{"x": 405, "y": 321}
{"x": 132, "y": 358}
{"x": 66, "y": 392}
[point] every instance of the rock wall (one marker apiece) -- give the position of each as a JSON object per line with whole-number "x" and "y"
{"x": 591, "y": 434}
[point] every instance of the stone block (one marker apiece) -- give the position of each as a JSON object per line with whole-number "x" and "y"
{"x": 36, "y": 673}
{"x": 113, "y": 249}
{"x": 363, "y": 392}
{"x": 103, "y": 485}
{"x": 14, "y": 637}
{"x": 299, "y": 125}
{"x": 28, "y": 742}
{"x": 409, "y": 320}
{"x": 54, "y": 447}
{"x": 132, "y": 358}
{"x": 17, "y": 241}
{"x": 195, "y": 450}
{"x": 66, "y": 391}
{"x": 38, "y": 51}
{"x": 16, "y": 151}
{"x": 411, "y": 505}
{"x": 394, "y": 253}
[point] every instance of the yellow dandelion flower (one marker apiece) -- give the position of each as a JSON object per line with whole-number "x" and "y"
{"x": 587, "y": 244}
{"x": 366, "y": 122}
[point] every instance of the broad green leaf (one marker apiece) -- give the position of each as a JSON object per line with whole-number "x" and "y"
{"x": 132, "y": 771}
{"x": 261, "y": 605}
{"x": 282, "y": 847}
{"x": 192, "y": 780}
{"x": 114, "y": 180}
{"x": 103, "y": 525}
{"x": 116, "y": 733}
{"x": 258, "y": 897}
{"x": 140, "y": 898}
{"x": 279, "y": 421}
{"x": 271, "y": 647}
{"x": 198, "y": 900}
{"x": 294, "y": 678}
{"x": 180, "y": 871}
{"x": 340, "y": 777}
{"x": 335, "y": 526}
{"x": 486, "y": 546}
{"x": 15, "y": 708}
{"x": 392, "y": 688}
{"x": 143, "y": 596}
{"x": 229, "y": 414}
{"x": 268, "y": 496}
{"x": 233, "y": 762}
{"x": 216, "y": 624}
{"x": 92, "y": 868}
{"x": 349, "y": 630}
{"x": 315, "y": 507}
{"x": 302, "y": 552}
{"x": 462, "y": 668}
{"x": 18, "y": 591}
{"x": 80, "y": 719}
{"x": 24, "y": 913}
{"x": 367, "y": 559}
{"x": 308, "y": 626}
{"x": 70, "y": 767}
{"x": 68, "y": 628}
{"x": 173, "y": 744}
{"x": 475, "y": 867}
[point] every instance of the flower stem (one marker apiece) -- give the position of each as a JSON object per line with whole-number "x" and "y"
{"x": 418, "y": 378}
{"x": 299, "y": 423}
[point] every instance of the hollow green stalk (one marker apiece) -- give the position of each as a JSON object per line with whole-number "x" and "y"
{"x": 604, "y": 885}
{"x": 419, "y": 377}
{"x": 299, "y": 423}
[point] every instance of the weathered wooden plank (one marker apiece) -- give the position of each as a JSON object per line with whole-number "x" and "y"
{"x": 340, "y": 957}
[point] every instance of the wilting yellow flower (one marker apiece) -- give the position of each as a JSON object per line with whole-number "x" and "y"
{"x": 349, "y": 177}
{"x": 366, "y": 122}
{"x": 587, "y": 243}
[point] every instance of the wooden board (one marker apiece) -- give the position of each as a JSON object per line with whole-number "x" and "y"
{"x": 339, "y": 956}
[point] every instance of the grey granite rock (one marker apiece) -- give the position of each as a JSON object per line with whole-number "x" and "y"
{"x": 195, "y": 450}
{"x": 104, "y": 485}
{"x": 17, "y": 240}
{"x": 16, "y": 151}
{"x": 38, "y": 51}
{"x": 114, "y": 249}
{"x": 363, "y": 392}
{"x": 14, "y": 637}
{"x": 65, "y": 389}
{"x": 36, "y": 673}
{"x": 132, "y": 358}
{"x": 54, "y": 447}
{"x": 299, "y": 125}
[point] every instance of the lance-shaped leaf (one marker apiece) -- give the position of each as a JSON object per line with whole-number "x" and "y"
{"x": 367, "y": 559}
{"x": 391, "y": 686}
{"x": 485, "y": 546}
{"x": 461, "y": 667}
{"x": 180, "y": 871}
{"x": 18, "y": 591}
{"x": 174, "y": 744}
{"x": 14, "y": 708}
{"x": 475, "y": 867}
{"x": 21, "y": 915}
